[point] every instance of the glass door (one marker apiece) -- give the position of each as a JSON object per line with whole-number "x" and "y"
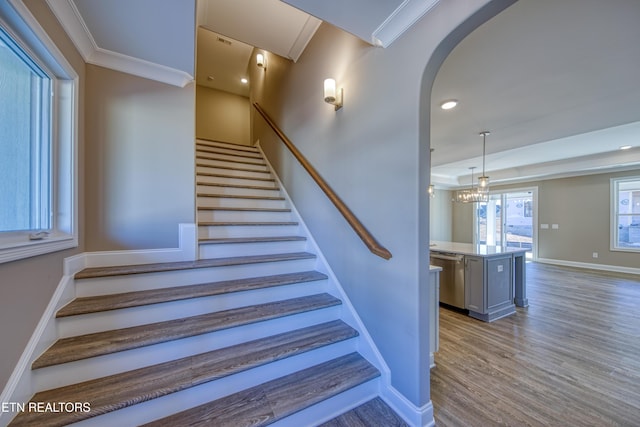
{"x": 507, "y": 219}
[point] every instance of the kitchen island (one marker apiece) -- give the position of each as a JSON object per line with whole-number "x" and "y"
{"x": 490, "y": 282}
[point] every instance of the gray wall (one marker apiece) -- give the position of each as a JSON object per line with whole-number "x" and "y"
{"x": 222, "y": 116}
{"x": 375, "y": 154}
{"x": 581, "y": 207}
{"x": 140, "y": 152}
{"x": 441, "y": 216}
{"x": 26, "y": 286}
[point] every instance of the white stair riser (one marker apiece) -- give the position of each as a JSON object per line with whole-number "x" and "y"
{"x": 233, "y": 165}
{"x": 228, "y": 202}
{"x": 208, "y": 189}
{"x": 97, "y": 367}
{"x": 204, "y": 393}
{"x": 243, "y": 216}
{"x": 333, "y": 407}
{"x": 141, "y": 282}
{"x": 239, "y": 249}
{"x": 233, "y": 157}
{"x": 235, "y": 181}
{"x": 214, "y": 231}
{"x": 143, "y": 315}
{"x": 233, "y": 172}
{"x": 234, "y": 148}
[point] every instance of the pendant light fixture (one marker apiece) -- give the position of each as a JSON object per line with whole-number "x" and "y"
{"x": 481, "y": 192}
{"x": 483, "y": 181}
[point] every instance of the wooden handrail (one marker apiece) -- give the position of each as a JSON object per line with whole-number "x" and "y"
{"x": 364, "y": 234}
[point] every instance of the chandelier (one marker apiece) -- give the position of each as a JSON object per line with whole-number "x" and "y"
{"x": 479, "y": 193}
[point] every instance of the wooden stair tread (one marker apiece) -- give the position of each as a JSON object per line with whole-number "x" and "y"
{"x": 274, "y": 400}
{"x": 101, "y": 303}
{"x": 243, "y": 162}
{"x": 372, "y": 413}
{"x": 218, "y": 175}
{"x": 246, "y": 223}
{"x": 238, "y": 196}
{"x": 234, "y": 209}
{"x": 228, "y": 145}
{"x": 233, "y": 168}
{"x": 119, "y": 270}
{"x": 113, "y": 341}
{"x": 128, "y": 388}
{"x": 220, "y": 150}
{"x": 252, "y": 239}
{"x": 249, "y": 187}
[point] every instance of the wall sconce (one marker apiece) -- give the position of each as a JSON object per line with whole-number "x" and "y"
{"x": 332, "y": 95}
{"x": 261, "y": 61}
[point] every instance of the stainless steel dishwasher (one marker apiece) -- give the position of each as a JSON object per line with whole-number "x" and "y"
{"x": 451, "y": 278}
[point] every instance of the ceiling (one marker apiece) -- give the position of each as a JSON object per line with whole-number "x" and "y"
{"x": 554, "y": 81}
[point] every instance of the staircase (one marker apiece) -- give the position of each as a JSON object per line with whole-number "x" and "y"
{"x": 250, "y": 334}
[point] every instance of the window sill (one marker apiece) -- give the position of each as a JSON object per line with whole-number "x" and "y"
{"x": 15, "y": 248}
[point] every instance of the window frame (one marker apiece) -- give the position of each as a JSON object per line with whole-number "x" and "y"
{"x": 614, "y": 216}
{"x": 18, "y": 22}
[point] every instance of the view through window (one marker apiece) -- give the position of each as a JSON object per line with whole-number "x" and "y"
{"x": 25, "y": 142}
{"x": 626, "y": 214}
{"x": 506, "y": 220}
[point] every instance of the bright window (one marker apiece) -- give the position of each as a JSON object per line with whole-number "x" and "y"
{"x": 625, "y": 214}
{"x": 38, "y": 165}
{"x": 25, "y": 141}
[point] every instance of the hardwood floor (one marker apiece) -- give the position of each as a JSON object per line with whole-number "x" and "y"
{"x": 572, "y": 358}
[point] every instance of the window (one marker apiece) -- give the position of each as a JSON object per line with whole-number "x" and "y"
{"x": 37, "y": 140}
{"x": 507, "y": 220}
{"x": 625, "y": 214}
{"x": 25, "y": 141}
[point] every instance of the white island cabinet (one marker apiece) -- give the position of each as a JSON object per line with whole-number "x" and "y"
{"x": 434, "y": 313}
{"x": 494, "y": 278}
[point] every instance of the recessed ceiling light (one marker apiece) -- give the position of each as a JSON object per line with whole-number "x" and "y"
{"x": 244, "y": 81}
{"x": 625, "y": 147}
{"x": 449, "y": 104}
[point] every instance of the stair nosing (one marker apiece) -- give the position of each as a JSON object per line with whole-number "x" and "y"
{"x": 328, "y": 374}
{"x": 133, "y": 337}
{"x": 213, "y": 143}
{"x": 248, "y": 187}
{"x": 239, "y": 196}
{"x": 231, "y": 161}
{"x": 246, "y": 223}
{"x": 215, "y": 175}
{"x": 232, "y": 168}
{"x": 190, "y": 371}
{"x": 242, "y": 240}
{"x": 123, "y": 300}
{"x": 122, "y": 270}
{"x": 236, "y": 209}
{"x": 238, "y": 153}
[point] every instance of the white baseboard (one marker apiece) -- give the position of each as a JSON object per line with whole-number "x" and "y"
{"x": 590, "y": 266}
{"x": 412, "y": 414}
{"x": 186, "y": 251}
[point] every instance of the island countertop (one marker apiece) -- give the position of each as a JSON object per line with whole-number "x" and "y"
{"x": 471, "y": 249}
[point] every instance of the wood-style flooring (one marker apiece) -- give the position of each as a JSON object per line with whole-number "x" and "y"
{"x": 572, "y": 358}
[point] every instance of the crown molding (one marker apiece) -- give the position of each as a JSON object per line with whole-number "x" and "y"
{"x": 69, "y": 17}
{"x": 407, "y": 14}
{"x": 304, "y": 37}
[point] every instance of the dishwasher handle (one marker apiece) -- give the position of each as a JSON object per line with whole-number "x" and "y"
{"x": 448, "y": 257}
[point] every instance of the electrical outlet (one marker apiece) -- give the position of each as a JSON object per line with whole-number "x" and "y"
{"x": 595, "y": 255}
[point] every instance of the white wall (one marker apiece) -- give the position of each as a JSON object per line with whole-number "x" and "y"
{"x": 375, "y": 154}
{"x": 140, "y": 158}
